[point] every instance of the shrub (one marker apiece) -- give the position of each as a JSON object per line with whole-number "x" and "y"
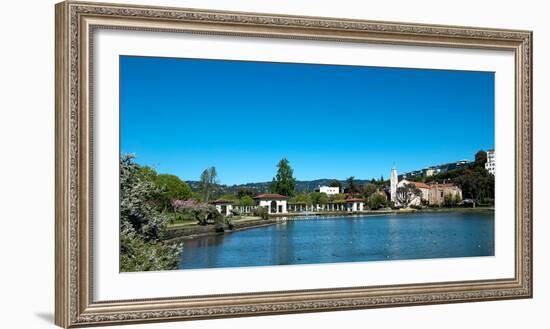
{"x": 450, "y": 200}
{"x": 138, "y": 255}
{"x": 261, "y": 212}
{"x": 377, "y": 201}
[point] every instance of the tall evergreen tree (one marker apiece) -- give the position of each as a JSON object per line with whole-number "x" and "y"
{"x": 284, "y": 182}
{"x": 352, "y": 186}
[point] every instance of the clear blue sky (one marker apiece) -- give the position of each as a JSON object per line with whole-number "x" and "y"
{"x": 181, "y": 116}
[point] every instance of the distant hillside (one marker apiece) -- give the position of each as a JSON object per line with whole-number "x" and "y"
{"x": 263, "y": 187}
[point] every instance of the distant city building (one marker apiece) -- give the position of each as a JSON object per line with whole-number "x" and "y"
{"x": 429, "y": 172}
{"x": 490, "y": 164}
{"x": 274, "y": 203}
{"x": 434, "y": 170}
{"x": 328, "y": 190}
{"x": 431, "y": 194}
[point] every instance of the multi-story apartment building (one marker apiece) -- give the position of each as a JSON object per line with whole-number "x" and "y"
{"x": 490, "y": 164}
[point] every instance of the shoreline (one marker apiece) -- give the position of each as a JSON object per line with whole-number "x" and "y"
{"x": 188, "y": 232}
{"x": 193, "y": 231}
{"x": 382, "y": 212}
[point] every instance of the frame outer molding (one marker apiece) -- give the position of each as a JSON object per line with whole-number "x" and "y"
{"x": 62, "y": 164}
{"x": 75, "y": 22}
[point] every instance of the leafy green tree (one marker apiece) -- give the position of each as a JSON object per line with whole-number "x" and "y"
{"x": 302, "y": 198}
{"x": 318, "y": 198}
{"x": 208, "y": 182}
{"x": 284, "y": 182}
{"x": 476, "y": 184}
{"x": 229, "y": 197}
{"x": 196, "y": 195}
{"x": 416, "y": 179}
{"x": 369, "y": 189}
{"x": 243, "y": 191}
{"x": 148, "y": 172}
{"x": 173, "y": 188}
{"x": 480, "y": 158}
{"x": 377, "y": 201}
{"x": 336, "y": 183}
{"x": 247, "y": 201}
{"x": 142, "y": 226}
{"x": 337, "y": 197}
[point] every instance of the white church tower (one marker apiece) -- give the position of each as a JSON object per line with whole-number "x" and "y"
{"x": 393, "y": 184}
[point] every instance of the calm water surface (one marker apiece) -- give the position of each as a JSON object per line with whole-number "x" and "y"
{"x": 347, "y": 239}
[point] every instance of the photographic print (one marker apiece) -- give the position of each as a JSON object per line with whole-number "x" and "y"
{"x": 316, "y": 164}
{"x": 239, "y": 163}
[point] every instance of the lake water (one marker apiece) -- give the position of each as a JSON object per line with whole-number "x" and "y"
{"x": 347, "y": 239}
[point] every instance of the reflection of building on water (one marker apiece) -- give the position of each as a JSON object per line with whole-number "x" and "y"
{"x": 431, "y": 194}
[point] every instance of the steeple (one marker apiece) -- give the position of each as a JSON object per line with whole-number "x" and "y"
{"x": 393, "y": 184}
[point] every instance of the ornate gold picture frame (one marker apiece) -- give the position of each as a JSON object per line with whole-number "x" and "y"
{"x": 75, "y": 24}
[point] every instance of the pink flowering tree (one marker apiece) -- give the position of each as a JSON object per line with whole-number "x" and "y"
{"x": 203, "y": 212}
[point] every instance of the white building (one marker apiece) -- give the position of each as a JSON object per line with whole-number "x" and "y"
{"x": 423, "y": 187}
{"x": 328, "y": 190}
{"x": 433, "y": 194}
{"x": 429, "y": 172}
{"x": 354, "y": 205}
{"x": 393, "y": 184}
{"x": 490, "y": 164}
{"x": 275, "y": 203}
{"x": 223, "y": 206}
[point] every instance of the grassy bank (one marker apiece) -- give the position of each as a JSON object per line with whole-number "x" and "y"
{"x": 188, "y": 230}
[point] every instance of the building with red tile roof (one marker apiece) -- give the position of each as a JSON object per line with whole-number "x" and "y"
{"x": 274, "y": 203}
